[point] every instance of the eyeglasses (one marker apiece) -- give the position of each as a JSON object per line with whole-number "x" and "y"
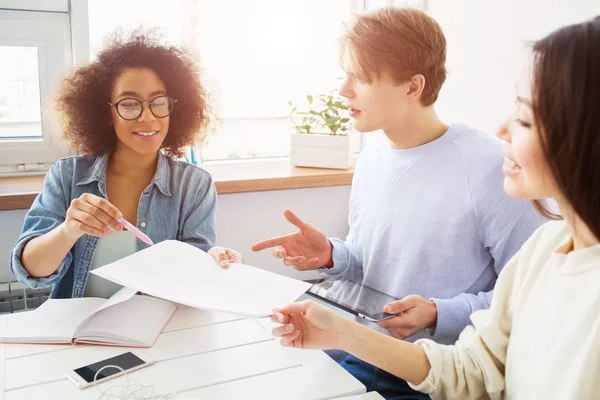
{"x": 130, "y": 109}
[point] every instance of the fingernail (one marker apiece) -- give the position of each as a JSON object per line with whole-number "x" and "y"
{"x": 119, "y": 215}
{"x": 388, "y": 309}
{"x": 279, "y": 318}
{"x": 289, "y": 328}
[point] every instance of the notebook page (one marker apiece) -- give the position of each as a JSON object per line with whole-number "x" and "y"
{"x": 239, "y": 289}
{"x": 140, "y": 318}
{"x": 55, "y": 320}
{"x": 120, "y": 296}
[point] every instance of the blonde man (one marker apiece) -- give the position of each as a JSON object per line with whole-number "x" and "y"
{"x": 429, "y": 221}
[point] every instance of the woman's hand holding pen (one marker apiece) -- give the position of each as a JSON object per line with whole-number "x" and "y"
{"x": 92, "y": 215}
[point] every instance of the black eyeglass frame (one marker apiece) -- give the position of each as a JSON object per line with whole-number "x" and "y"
{"x": 116, "y": 106}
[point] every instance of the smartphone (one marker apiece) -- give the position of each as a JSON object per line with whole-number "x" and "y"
{"x": 355, "y": 298}
{"x": 84, "y": 376}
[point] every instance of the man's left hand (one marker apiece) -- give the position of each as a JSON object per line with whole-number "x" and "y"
{"x": 418, "y": 313}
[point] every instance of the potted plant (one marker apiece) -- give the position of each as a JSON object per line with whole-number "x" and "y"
{"x": 321, "y": 138}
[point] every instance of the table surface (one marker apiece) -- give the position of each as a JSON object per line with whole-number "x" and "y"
{"x": 200, "y": 354}
{"x": 364, "y": 396}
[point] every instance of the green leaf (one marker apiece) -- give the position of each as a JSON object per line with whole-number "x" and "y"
{"x": 329, "y": 113}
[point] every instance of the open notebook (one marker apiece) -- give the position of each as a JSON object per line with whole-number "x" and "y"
{"x": 125, "y": 319}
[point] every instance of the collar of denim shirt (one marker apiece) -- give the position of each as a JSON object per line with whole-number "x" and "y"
{"x": 97, "y": 173}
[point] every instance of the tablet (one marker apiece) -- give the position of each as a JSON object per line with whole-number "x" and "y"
{"x": 355, "y": 298}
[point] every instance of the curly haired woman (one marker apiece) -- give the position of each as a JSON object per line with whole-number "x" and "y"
{"x": 128, "y": 114}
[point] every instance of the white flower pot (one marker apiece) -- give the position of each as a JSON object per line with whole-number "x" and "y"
{"x": 321, "y": 151}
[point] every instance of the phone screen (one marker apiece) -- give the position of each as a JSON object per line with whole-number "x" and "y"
{"x": 126, "y": 361}
{"x": 353, "y": 297}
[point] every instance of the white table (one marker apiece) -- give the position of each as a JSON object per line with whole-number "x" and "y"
{"x": 200, "y": 354}
{"x": 364, "y": 396}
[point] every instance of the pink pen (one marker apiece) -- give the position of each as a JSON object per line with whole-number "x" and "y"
{"x": 139, "y": 234}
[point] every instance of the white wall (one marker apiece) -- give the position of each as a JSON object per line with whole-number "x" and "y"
{"x": 242, "y": 219}
{"x": 486, "y": 50}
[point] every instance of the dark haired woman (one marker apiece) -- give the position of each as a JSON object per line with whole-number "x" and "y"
{"x": 128, "y": 115}
{"x": 541, "y": 337}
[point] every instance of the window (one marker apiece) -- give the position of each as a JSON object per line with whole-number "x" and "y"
{"x": 256, "y": 56}
{"x": 20, "y": 111}
{"x": 35, "y": 49}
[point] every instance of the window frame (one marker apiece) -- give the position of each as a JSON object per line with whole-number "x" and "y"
{"x": 50, "y": 32}
{"x": 36, "y": 5}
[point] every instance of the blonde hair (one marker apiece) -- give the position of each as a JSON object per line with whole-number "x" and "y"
{"x": 399, "y": 42}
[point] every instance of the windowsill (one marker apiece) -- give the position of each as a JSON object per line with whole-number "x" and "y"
{"x": 17, "y": 193}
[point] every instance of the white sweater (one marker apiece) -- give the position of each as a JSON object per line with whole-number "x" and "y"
{"x": 432, "y": 220}
{"x": 541, "y": 337}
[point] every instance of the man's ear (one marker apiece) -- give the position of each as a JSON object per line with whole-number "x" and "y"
{"x": 416, "y": 87}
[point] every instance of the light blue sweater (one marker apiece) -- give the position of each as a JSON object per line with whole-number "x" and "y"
{"x": 435, "y": 221}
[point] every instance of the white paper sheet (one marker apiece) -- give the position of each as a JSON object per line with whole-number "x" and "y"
{"x": 184, "y": 274}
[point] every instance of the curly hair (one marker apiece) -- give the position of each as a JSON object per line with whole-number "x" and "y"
{"x": 81, "y": 101}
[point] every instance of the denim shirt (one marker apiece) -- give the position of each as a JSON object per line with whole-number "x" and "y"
{"x": 179, "y": 204}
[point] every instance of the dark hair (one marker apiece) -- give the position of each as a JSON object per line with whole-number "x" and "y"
{"x": 82, "y": 99}
{"x": 566, "y": 101}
